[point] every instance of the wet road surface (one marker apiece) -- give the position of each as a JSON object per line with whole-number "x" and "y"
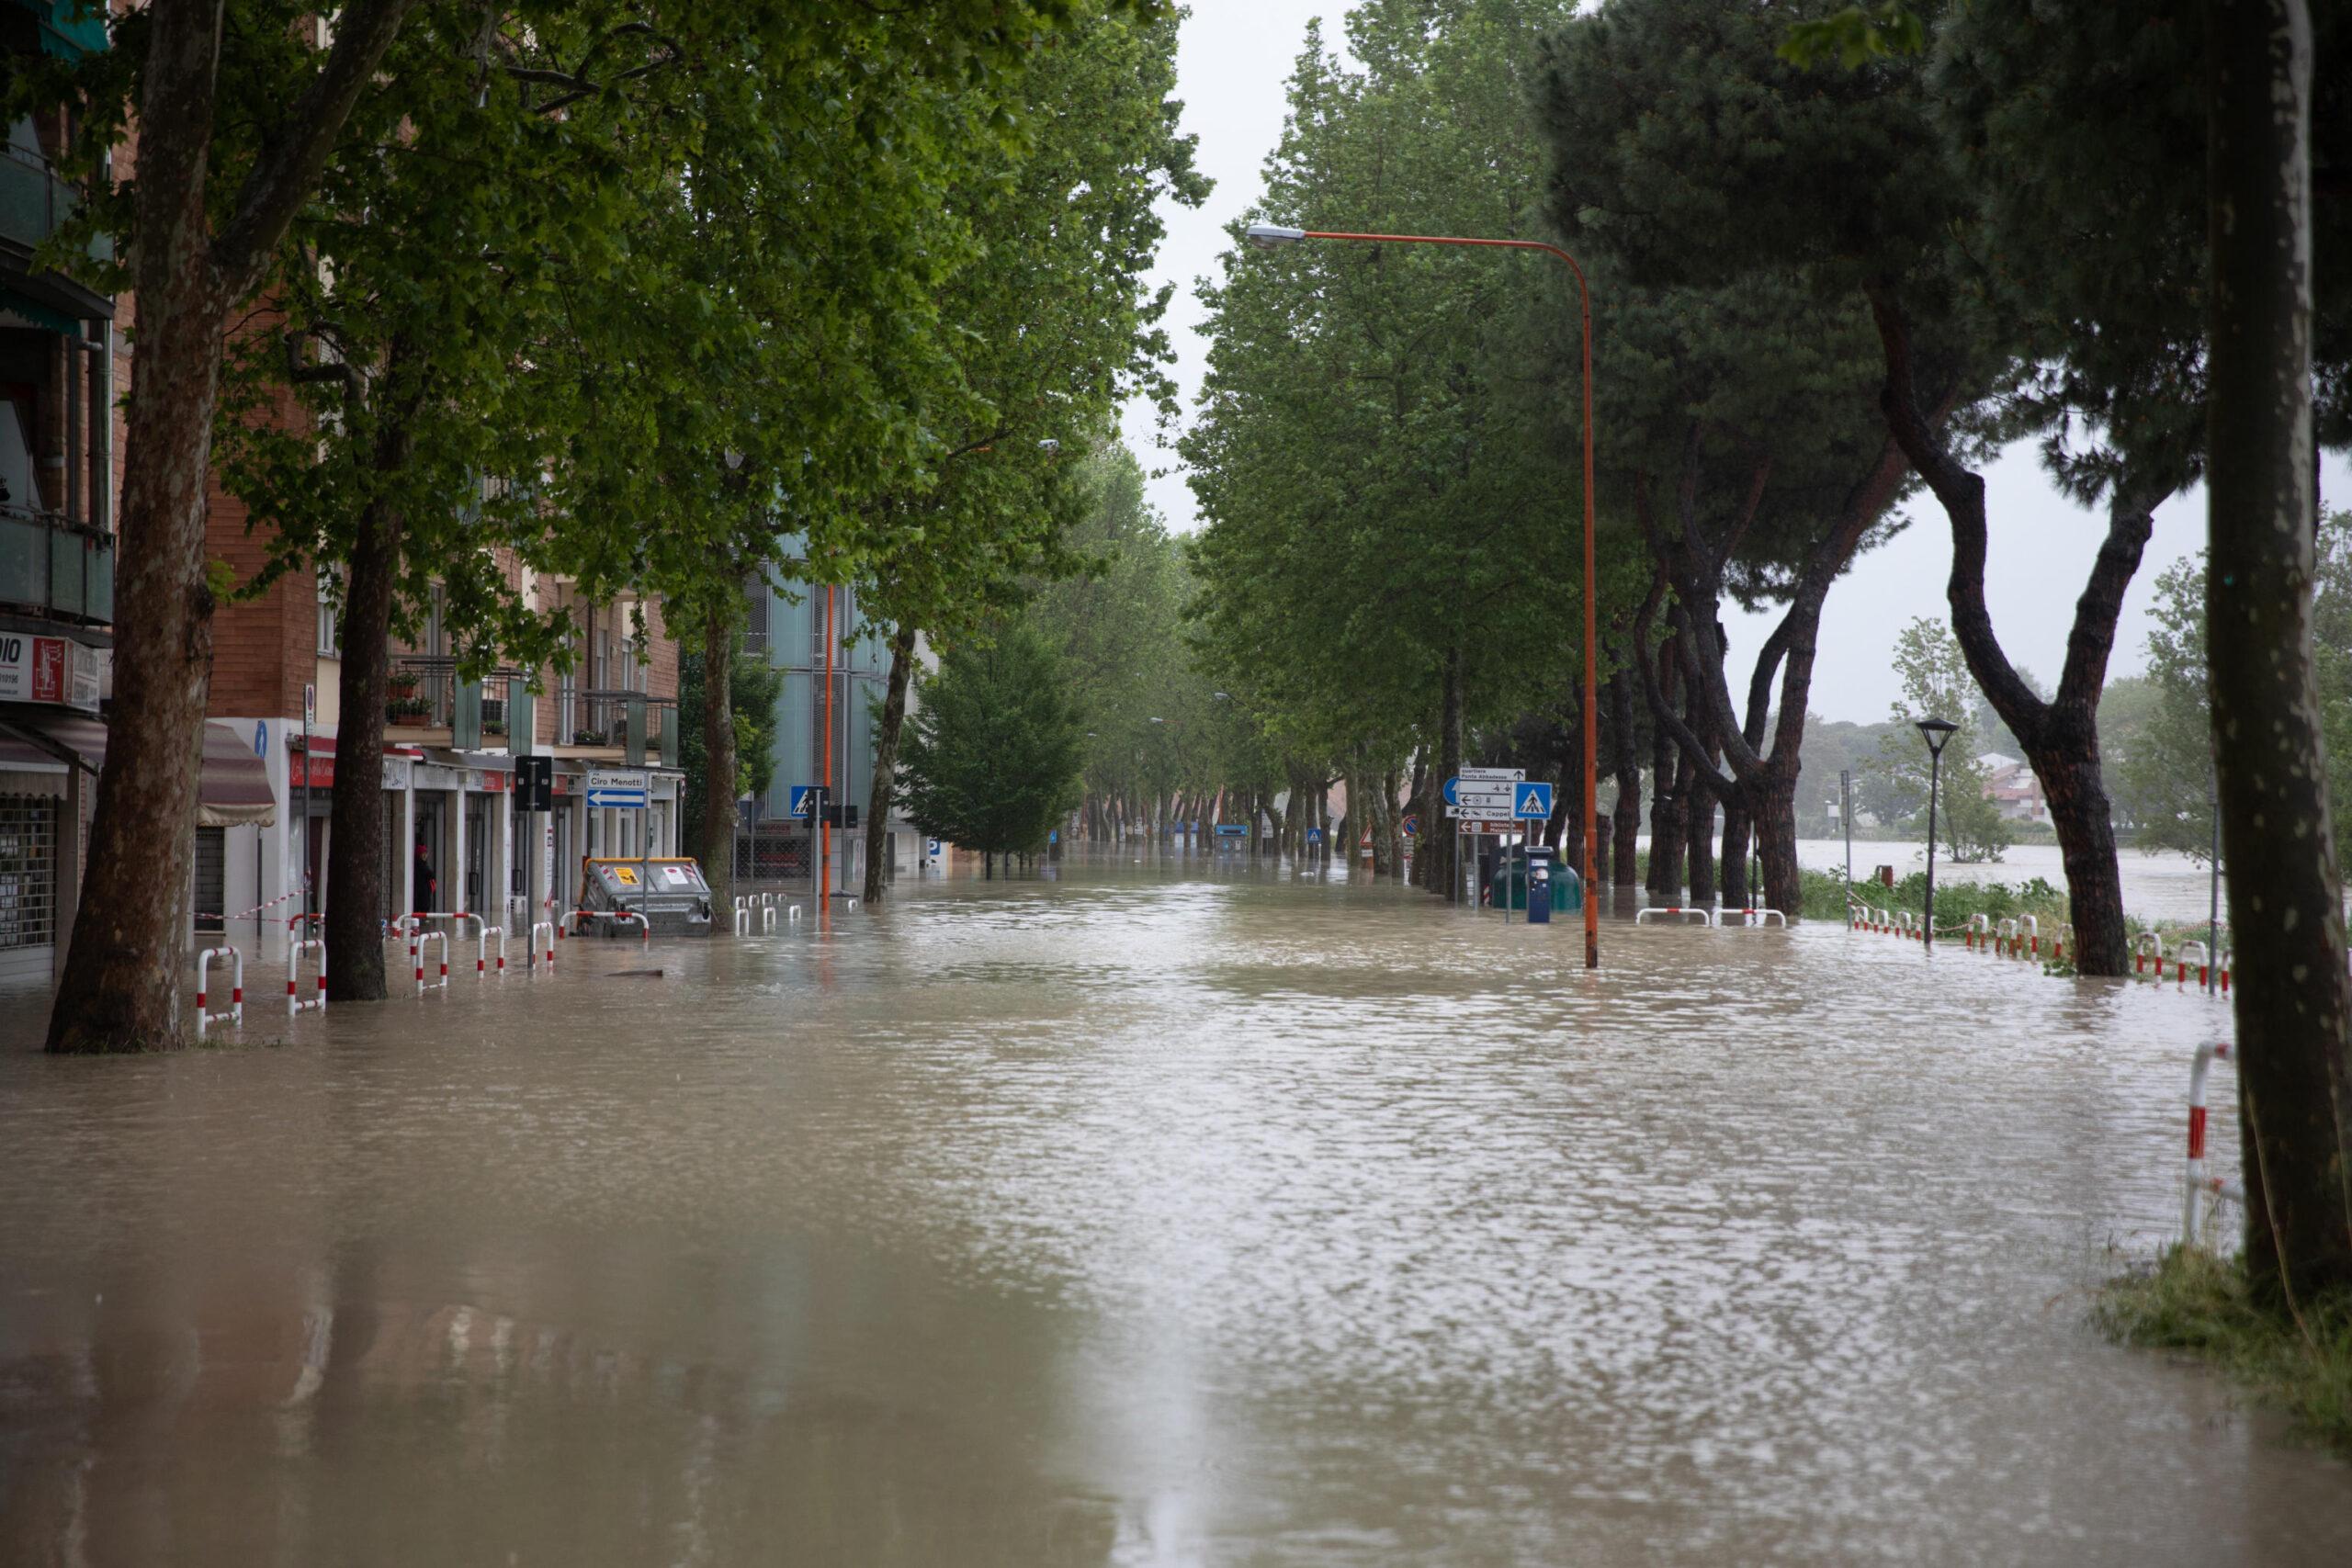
{"x": 1152, "y": 1216}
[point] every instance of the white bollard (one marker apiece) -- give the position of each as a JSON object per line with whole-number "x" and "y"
{"x": 548, "y": 950}
{"x": 482, "y": 950}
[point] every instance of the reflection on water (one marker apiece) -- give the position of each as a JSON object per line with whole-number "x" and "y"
{"x": 1152, "y": 1216}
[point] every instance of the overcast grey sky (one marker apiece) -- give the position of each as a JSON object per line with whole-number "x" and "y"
{"x": 1231, "y": 66}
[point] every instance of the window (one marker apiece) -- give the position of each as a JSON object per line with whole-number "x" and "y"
{"x": 755, "y": 631}
{"x": 28, "y": 871}
{"x": 330, "y": 612}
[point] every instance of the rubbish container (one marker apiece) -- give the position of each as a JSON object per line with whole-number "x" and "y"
{"x": 1507, "y": 888}
{"x": 670, "y": 893}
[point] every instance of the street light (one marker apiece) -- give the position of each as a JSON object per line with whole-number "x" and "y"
{"x": 1937, "y": 733}
{"x": 1271, "y": 236}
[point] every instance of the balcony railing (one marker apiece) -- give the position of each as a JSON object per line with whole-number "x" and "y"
{"x": 425, "y": 700}
{"x": 35, "y": 202}
{"x": 50, "y": 566}
{"x": 640, "y": 727}
{"x": 421, "y": 693}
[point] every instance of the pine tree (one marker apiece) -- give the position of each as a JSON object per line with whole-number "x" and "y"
{"x": 991, "y": 760}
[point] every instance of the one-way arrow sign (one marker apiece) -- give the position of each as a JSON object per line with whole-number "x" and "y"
{"x": 1533, "y": 802}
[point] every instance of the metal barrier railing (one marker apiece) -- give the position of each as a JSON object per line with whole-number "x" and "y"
{"x": 295, "y": 947}
{"x": 416, "y": 960}
{"x": 235, "y": 1011}
{"x": 548, "y": 927}
{"x": 1673, "y": 912}
{"x": 482, "y": 950}
{"x": 617, "y": 916}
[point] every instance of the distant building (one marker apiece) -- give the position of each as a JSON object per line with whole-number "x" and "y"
{"x": 2013, "y": 787}
{"x": 788, "y": 629}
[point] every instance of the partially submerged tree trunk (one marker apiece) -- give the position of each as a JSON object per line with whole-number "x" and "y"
{"x": 886, "y": 759}
{"x": 2294, "y": 998}
{"x": 1443, "y": 872}
{"x": 1726, "y": 753}
{"x": 356, "y": 894}
{"x": 2059, "y": 736}
{"x": 719, "y": 759}
{"x": 1625, "y": 819}
{"x": 1665, "y": 884}
{"x": 121, "y": 987}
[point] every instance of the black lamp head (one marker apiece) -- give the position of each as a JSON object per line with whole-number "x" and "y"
{"x": 1937, "y": 733}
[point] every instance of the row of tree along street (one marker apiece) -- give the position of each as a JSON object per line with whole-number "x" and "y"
{"x": 1838, "y": 256}
{"x": 658, "y": 298}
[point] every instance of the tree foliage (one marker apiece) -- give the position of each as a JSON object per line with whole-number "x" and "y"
{"x": 754, "y": 686}
{"x": 1937, "y": 685}
{"x": 2166, "y": 770}
{"x": 992, "y": 756}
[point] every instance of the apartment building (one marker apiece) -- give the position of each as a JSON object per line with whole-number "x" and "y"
{"x": 450, "y": 744}
{"x": 62, "y": 361}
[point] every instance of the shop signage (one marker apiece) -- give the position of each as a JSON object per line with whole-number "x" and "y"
{"x": 316, "y": 770}
{"x": 47, "y": 669}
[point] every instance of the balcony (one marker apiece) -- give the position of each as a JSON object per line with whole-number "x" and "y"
{"x": 426, "y": 704}
{"x": 421, "y": 700}
{"x": 631, "y": 728}
{"x": 35, "y": 202}
{"x": 54, "y": 567}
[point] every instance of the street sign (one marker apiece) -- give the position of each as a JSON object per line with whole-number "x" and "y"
{"x": 1411, "y": 825}
{"x": 1495, "y": 825}
{"x": 261, "y": 740}
{"x": 931, "y": 848}
{"x": 1232, "y": 831}
{"x": 309, "y": 705}
{"x": 1497, "y": 795}
{"x": 1315, "y": 835}
{"x": 801, "y": 800}
{"x": 1494, "y": 776}
{"x": 534, "y": 783}
{"x": 1534, "y": 802}
{"x": 618, "y": 788}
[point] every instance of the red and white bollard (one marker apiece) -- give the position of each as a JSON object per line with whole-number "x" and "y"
{"x": 2195, "y": 1183}
{"x": 548, "y": 927}
{"x": 235, "y": 1011}
{"x": 416, "y": 949}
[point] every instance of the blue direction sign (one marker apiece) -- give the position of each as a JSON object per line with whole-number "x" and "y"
{"x": 1532, "y": 802}
{"x": 1232, "y": 831}
{"x": 623, "y": 789}
{"x": 800, "y": 801}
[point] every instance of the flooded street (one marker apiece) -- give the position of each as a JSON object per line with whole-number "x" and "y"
{"x": 1150, "y": 1215}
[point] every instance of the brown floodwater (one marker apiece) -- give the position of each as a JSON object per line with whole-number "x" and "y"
{"x": 1154, "y": 1214}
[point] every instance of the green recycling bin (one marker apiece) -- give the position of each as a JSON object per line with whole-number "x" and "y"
{"x": 1507, "y": 888}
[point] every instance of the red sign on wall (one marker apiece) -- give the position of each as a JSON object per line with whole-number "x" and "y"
{"x": 49, "y": 669}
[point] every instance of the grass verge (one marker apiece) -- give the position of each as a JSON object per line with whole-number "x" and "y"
{"x": 2191, "y": 1301}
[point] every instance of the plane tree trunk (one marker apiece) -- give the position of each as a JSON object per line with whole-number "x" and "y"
{"x": 886, "y": 760}
{"x": 121, "y": 987}
{"x": 719, "y": 759}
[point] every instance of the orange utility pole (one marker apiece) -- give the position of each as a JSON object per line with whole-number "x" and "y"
{"x": 824, "y": 795}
